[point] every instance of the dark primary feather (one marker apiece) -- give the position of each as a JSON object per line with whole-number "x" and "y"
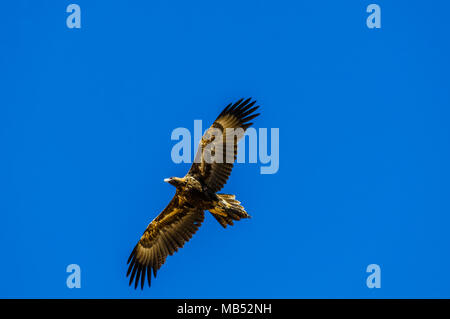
{"x": 215, "y": 175}
{"x": 165, "y": 234}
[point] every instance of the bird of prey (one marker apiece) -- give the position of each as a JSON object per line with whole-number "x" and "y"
{"x": 195, "y": 193}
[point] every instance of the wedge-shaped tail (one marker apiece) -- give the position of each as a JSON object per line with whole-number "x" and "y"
{"x": 228, "y": 209}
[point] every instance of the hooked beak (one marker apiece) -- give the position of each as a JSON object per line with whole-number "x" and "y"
{"x": 174, "y": 181}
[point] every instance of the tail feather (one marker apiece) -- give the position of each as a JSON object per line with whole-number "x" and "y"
{"x": 228, "y": 209}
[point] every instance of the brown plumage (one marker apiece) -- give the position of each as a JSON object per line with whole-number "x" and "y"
{"x": 195, "y": 193}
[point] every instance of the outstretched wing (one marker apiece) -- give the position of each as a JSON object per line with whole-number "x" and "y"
{"x": 216, "y": 141}
{"x": 166, "y": 233}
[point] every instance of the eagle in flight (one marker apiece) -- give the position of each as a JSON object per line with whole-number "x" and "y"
{"x": 195, "y": 193}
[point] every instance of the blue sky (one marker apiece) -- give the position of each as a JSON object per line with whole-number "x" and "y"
{"x": 86, "y": 117}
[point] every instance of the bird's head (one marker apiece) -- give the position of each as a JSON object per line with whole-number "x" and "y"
{"x": 175, "y": 181}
